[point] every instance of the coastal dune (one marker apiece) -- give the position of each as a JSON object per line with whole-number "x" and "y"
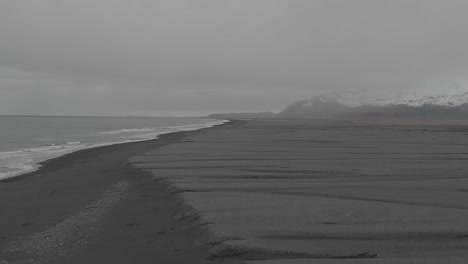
{"x": 316, "y": 191}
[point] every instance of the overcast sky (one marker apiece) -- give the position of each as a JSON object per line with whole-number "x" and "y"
{"x": 176, "y": 57}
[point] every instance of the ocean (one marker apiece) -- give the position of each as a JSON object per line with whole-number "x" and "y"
{"x": 27, "y": 140}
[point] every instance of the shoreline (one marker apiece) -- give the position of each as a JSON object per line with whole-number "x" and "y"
{"x": 94, "y": 199}
{"x": 37, "y": 166}
{"x": 263, "y": 191}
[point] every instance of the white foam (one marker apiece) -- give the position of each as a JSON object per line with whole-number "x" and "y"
{"x": 171, "y": 129}
{"x": 11, "y": 154}
{"x": 14, "y": 163}
{"x": 73, "y": 143}
{"x": 17, "y": 169}
{"x": 127, "y": 130}
{"x": 26, "y": 160}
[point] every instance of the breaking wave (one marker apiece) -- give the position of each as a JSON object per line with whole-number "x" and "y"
{"x": 16, "y": 162}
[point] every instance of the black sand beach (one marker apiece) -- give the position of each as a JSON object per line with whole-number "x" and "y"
{"x": 91, "y": 206}
{"x": 325, "y": 191}
{"x": 260, "y": 192}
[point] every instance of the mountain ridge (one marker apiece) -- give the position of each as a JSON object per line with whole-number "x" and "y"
{"x": 451, "y": 101}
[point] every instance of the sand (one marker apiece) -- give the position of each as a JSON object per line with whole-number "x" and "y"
{"x": 91, "y": 206}
{"x": 257, "y": 192}
{"x": 296, "y": 191}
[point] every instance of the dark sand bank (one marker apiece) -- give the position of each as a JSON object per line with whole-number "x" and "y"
{"x": 263, "y": 191}
{"x": 91, "y": 206}
{"x": 315, "y": 191}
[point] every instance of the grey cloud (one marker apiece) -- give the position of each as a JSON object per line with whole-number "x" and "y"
{"x": 198, "y": 56}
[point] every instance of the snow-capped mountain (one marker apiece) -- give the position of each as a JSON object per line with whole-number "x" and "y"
{"x": 455, "y": 95}
{"x": 420, "y": 102}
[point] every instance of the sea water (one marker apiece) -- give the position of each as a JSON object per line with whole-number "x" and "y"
{"x": 27, "y": 140}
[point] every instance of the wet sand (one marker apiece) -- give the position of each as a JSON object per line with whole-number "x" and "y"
{"x": 91, "y": 206}
{"x": 257, "y": 192}
{"x": 316, "y": 191}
